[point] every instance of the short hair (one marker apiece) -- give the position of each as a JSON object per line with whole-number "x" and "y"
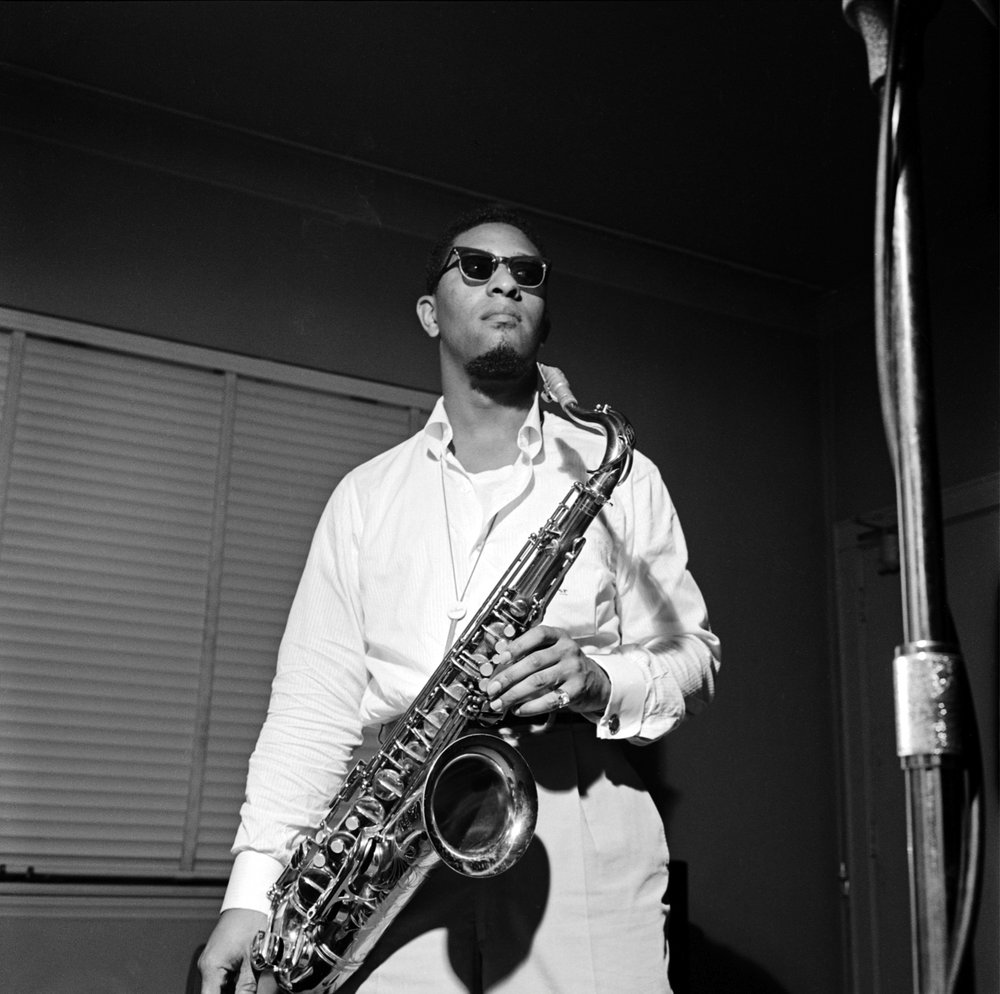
{"x": 483, "y": 214}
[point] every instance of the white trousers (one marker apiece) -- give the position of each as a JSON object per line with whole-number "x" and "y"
{"x": 582, "y": 912}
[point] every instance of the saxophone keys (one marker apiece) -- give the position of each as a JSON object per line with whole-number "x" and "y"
{"x": 433, "y": 720}
{"x": 267, "y": 949}
{"x": 388, "y": 784}
{"x": 455, "y": 692}
{"x": 494, "y": 631}
{"x": 310, "y": 887}
{"x": 484, "y": 665}
{"x": 519, "y": 607}
{"x": 415, "y": 750}
{"x": 370, "y": 810}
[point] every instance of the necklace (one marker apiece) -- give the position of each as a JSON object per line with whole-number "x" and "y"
{"x": 458, "y": 609}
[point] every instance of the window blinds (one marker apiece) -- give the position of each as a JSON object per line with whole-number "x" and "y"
{"x": 288, "y": 447}
{"x": 155, "y": 519}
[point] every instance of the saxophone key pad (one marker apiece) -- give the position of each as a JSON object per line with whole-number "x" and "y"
{"x": 493, "y": 631}
{"x": 388, "y": 784}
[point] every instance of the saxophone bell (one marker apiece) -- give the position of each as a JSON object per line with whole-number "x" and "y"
{"x": 480, "y": 805}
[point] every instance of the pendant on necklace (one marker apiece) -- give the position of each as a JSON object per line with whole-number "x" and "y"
{"x": 457, "y": 611}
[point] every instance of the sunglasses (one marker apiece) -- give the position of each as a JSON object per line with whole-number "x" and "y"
{"x": 478, "y": 265}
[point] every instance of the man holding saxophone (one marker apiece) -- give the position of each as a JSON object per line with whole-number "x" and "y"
{"x": 409, "y": 547}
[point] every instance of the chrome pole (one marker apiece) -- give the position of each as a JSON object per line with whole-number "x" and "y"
{"x": 935, "y": 725}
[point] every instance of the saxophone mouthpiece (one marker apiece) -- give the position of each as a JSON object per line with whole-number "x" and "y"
{"x": 555, "y": 386}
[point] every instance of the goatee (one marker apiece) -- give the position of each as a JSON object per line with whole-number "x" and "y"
{"x": 502, "y": 363}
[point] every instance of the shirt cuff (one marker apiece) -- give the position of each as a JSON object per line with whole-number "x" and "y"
{"x": 622, "y": 718}
{"x": 251, "y": 878}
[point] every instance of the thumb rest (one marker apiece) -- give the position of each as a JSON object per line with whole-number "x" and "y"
{"x": 434, "y": 792}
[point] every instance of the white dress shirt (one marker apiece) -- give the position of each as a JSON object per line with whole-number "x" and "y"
{"x": 369, "y": 623}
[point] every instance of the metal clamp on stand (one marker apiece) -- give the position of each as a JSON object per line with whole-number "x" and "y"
{"x": 929, "y": 708}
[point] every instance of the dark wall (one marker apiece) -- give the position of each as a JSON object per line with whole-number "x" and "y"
{"x": 729, "y": 404}
{"x": 964, "y": 359}
{"x": 953, "y": 154}
{"x": 100, "y": 241}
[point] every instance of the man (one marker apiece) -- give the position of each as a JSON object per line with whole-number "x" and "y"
{"x": 411, "y": 543}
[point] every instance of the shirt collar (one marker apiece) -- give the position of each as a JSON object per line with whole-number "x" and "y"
{"x": 438, "y": 432}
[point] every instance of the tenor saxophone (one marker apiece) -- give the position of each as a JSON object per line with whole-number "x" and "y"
{"x": 435, "y": 792}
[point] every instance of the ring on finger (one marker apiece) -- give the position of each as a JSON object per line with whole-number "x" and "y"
{"x": 562, "y": 700}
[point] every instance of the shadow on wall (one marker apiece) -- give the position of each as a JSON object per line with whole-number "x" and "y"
{"x": 714, "y": 969}
{"x": 697, "y": 964}
{"x": 700, "y": 966}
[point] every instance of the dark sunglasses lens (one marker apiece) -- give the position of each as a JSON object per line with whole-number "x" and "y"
{"x": 476, "y": 265}
{"x": 527, "y": 271}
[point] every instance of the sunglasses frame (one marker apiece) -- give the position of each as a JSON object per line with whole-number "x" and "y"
{"x": 506, "y": 260}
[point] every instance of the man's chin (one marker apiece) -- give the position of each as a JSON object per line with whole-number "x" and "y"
{"x": 502, "y": 365}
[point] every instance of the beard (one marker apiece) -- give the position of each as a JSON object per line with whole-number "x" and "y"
{"x": 501, "y": 363}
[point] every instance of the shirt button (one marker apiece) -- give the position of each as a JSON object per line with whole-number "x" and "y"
{"x": 613, "y": 724}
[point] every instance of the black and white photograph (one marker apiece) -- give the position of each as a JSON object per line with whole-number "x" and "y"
{"x": 499, "y": 498}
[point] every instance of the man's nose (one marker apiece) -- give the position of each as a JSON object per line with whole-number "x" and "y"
{"x": 503, "y": 282}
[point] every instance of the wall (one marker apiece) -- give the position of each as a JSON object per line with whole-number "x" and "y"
{"x": 963, "y": 321}
{"x": 99, "y": 945}
{"x": 168, "y": 229}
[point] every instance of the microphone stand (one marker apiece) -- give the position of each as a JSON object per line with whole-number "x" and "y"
{"x": 936, "y": 736}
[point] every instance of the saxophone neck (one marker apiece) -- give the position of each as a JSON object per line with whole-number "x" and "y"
{"x": 618, "y": 432}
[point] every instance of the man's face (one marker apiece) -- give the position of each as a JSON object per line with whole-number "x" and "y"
{"x": 490, "y": 330}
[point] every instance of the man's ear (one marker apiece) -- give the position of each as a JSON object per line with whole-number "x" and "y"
{"x": 427, "y": 315}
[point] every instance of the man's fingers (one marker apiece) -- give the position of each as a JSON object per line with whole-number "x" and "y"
{"x": 246, "y": 982}
{"x": 215, "y": 981}
{"x": 214, "y": 977}
{"x": 537, "y": 665}
{"x": 226, "y": 956}
{"x": 532, "y": 639}
{"x": 266, "y": 984}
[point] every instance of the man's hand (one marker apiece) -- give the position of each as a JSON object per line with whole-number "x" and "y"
{"x": 544, "y": 670}
{"x": 225, "y": 961}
